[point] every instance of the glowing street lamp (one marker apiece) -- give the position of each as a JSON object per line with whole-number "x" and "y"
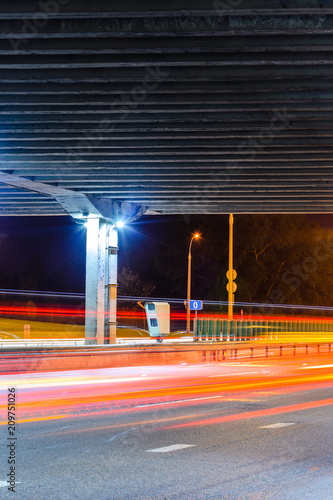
{"x": 188, "y": 312}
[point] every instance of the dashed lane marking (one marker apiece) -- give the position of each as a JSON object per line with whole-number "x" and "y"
{"x": 173, "y": 447}
{"x": 277, "y": 425}
{"x": 310, "y": 367}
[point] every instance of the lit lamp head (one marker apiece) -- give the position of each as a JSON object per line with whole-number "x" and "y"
{"x": 194, "y": 237}
{"x": 120, "y": 224}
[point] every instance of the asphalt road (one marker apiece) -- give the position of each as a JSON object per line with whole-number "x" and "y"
{"x": 231, "y": 430}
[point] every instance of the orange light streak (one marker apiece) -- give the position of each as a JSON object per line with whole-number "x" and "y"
{"x": 211, "y": 421}
{"x": 256, "y": 414}
{"x": 36, "y": 419}
{"x": 197, "y": 390}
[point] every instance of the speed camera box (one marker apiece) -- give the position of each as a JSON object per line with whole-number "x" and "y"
{"x": 163, "y": 315}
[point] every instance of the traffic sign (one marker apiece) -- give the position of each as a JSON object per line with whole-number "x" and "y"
{"x": 233, "y": 287}
{"x": 233, "y": 274}
{"x": 195, "y": 305}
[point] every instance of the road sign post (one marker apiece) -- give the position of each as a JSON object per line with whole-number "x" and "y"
{"x": 195, "y": 305}
{"x": 195, "y": 326}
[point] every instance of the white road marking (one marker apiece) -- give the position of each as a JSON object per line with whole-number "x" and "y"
{"x": 277, "y": 425}
{"x": 173, "y": 447}
{"x": 120, "y": 434}
{"x": 318, "y": 366}
{"x": 176, "y": 402}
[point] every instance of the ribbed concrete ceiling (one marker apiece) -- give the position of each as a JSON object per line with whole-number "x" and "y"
{"x": 182, "y": 106}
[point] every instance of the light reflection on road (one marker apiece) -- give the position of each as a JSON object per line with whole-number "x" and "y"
{"x": 82, "y": 393}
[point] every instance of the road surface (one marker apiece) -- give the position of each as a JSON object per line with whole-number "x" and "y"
{"x": 238, "y": 430}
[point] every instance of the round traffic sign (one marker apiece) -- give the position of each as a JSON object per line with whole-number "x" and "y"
{"x": 233, "y": 274}
{"x": 233, "y": 287}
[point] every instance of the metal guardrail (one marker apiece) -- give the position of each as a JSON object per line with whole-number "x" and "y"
{"x": 260, "y": 351}
{"x": 232, "y": 330}
{"x": 40, "y": 343}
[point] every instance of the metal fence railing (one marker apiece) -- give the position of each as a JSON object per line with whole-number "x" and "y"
{"x": 226, "y": 330}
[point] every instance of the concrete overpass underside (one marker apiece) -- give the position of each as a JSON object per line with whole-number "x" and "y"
{"x": 119, "y": 109}
{"x": 181, "y": 106}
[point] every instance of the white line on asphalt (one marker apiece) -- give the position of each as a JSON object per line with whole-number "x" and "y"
{"x": 275, "y": 426}
{"x": 176, "y": 402}
{"x": 173, "y": 447}
{"x": 318, "y": 366}
{"x": 117, "y": 435}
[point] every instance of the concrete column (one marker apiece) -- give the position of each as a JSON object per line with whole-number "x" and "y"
{"x": 111, "y": 293}
{"x": 96, "y": 268}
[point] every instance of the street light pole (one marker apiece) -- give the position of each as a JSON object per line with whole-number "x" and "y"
{"x": 188, "y": 312}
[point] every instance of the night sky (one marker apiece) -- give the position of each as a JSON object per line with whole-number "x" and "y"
{"x": 59, "y": 243}
{"x": 52, "y": 240}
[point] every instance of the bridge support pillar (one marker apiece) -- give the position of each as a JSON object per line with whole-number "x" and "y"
{"x": 101, "y": 282}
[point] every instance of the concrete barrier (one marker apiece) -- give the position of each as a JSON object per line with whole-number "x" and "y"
{"x": 19, "y": 360}
{"x": 56, "y": 360}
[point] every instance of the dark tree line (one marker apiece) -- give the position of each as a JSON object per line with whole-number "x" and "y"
{"x": 36, "y": 276}
{"x": 278, "y": 259}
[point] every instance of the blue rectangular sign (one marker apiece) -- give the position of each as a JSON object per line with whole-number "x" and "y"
{"x": 195, "y": 305}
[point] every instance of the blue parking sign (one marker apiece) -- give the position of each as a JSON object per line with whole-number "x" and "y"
{"x": 195, "y": 305}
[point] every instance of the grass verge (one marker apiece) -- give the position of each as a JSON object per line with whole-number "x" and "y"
{"x": 43, "y": 330}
